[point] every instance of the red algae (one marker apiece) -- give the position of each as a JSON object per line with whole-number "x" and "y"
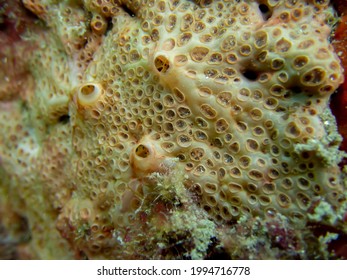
{"x": 15, "y": 50}
{"x": 339, "y": 100}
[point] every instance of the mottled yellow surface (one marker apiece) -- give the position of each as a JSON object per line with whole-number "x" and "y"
{"x": 154, "y": 129}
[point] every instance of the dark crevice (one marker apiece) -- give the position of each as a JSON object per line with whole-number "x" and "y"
{"x": 250, "y": 75}
{"x": 128, "y": 11}
{"x": 296, "y": 89}
{"x": 266, "y": 12}
{"x": 64, "y": 119}
{"x": 3, "y": 25}
{"x": 338, "y": 246}
{"x": 216, "y": 252}
{"x": 178, "y": 245}
{"x": 264, "y": 8}
{"x": 109, "y": 25}
{"x": 31, "y": 15}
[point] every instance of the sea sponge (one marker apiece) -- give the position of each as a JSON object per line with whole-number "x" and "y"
{"x": 144, "y": 111}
